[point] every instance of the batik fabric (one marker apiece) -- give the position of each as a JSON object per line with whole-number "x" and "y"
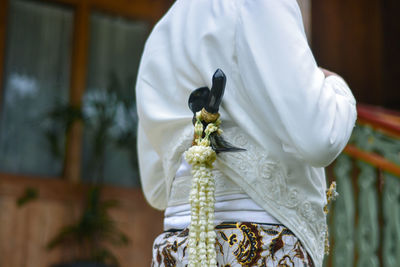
{"x": 237, "y": 244}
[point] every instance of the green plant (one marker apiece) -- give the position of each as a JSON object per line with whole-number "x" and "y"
{"x": 29, "y": 195}
{"x": 101, "y": 114}
{"x": 92, "y": 231}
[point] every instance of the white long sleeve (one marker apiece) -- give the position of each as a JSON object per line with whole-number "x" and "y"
{"x": 283, "y": 83}
{"x": 151, "y": 172}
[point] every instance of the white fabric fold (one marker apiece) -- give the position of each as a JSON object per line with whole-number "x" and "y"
{"x": 228, "y": 208}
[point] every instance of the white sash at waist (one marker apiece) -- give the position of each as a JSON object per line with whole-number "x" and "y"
{"x": 228, "y": 208}
{"x": 232, "y": 203}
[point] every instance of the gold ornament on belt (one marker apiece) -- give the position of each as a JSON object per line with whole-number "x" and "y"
{"x": 331, "y": 195}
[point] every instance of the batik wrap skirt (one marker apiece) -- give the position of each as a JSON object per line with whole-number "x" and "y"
{"x": 237, "y": 244}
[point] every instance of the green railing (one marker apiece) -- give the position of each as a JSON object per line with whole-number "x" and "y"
{"x": 365, "y": 219}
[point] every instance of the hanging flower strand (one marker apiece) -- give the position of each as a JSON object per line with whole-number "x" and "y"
{"x": 207, "y": 142}
{"x": 201, "y": 230}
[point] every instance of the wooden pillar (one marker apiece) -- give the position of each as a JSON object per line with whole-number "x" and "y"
{"x": 348, "y": 39}
{"x": 3, "y": 27}
{"x": 72, "y": 166}
{"x": 391, "y": 74}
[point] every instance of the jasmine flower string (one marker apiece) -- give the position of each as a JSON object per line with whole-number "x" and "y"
{"x": 201, "y": 156}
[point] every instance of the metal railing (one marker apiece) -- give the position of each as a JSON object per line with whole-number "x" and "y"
{"x": 365, "y": 219}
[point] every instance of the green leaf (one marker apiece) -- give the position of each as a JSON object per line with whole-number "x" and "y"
{"x": 29, "y": 195}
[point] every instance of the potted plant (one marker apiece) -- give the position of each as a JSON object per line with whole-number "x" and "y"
{"x": 89, "y": 235}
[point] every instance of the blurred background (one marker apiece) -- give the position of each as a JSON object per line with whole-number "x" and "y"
{"x": 69, "y": 184}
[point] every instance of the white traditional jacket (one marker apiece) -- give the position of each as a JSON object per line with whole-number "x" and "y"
{"x": 278, "y": 105}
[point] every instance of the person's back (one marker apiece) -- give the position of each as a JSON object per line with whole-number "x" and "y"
{"x": 278, "y": 105}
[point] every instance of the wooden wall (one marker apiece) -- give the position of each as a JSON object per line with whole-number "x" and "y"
{"x": 25, "y": 231}
{"x": 347, "y": 38}
{"x": 360, "y": 40}
{"x": 391, "y": 48}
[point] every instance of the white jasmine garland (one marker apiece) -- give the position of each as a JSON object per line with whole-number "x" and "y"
{"x": 202, "y": 237}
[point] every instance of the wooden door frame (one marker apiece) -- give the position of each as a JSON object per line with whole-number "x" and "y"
{"x": 147, "y": 10}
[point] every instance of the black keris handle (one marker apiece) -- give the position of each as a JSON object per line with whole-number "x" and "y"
{"x": 210, "y": 100}
{"x": 217, "y": 92}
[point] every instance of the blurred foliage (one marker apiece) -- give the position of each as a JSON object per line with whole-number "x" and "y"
{"x": 94, "y": 229}
{"x": 29, "y": 195}
{"x": 111, "y": 120}
{"x": 106, "y": 114}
